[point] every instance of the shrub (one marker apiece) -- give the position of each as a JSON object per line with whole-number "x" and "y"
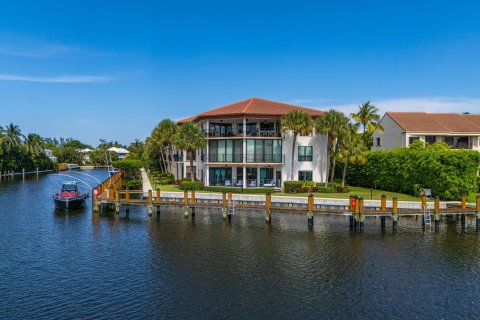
{"x": 448, "y": 173}
{"x": 238, "y": 190}
{"x": 130, "y": 167}
{"x": 299, "y": 186}
{"x": 132, "y": 184}
{"x": 191, "y": 185}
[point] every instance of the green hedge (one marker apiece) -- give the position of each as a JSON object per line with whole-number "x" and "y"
{"x": 191, "y": 185}
{"x": 238, "y": 190}
{"x": 449, "y": 173}
{"x": 132, "y": 184}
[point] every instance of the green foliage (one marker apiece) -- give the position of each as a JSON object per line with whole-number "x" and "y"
{"x": 299, "y": 186}
{"x": 417, "y": 145}
{"x": 69, "y": 155}
{"x": 165, "y": 178}
{"x": 189, "y": 137}
{"x": 191, "y": 185}
{"x": 297, "y": 121}
{"x": 99, "y": 157}
{"x": 449, "y": 173}
{"x": 130, "y": 167}
{"x": 238, "y": 190}
{"x": 132, "y": 184}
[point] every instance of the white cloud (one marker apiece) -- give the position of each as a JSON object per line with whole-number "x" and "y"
{"x": 57, "y": 79}
{"x": 20, "y": 47}
{"x": 426, "y": 104}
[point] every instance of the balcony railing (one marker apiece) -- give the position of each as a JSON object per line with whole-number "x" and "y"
{"x": 233, "y": 132}
{"x": 235, "y": 158}
{"x": 265, "y": 158}
{"x": 178, "y": 157}
{"x": 249, "y": 158}
{"x": 250, "y": 183}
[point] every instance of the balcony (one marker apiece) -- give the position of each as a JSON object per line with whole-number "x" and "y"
{"x": 250, "y": 183}
{"x": 233, "y": 158}
{"x": 234, "y": 133}
{"x": 265, "y": 158}
{"x": 178, "y": 157}
{"x": 250, "y": 158}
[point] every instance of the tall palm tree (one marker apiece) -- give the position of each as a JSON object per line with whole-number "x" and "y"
{"x": 190, "y": 138}
{"x": 13, "y": 137}
{"x": 352, "y": 150}
{"x": 368, "y": 116}
{"x": 297, "y": 122}
{"x": 334, "y": 124}
{"x": 34, "y": 145}
{"x": 163, "y": 134}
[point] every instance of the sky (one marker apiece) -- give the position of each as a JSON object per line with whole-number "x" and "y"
{"x": 113, "y": 69}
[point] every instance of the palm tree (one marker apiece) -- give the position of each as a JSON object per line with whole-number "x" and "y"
{"x": 190, "y": 138}
{"x": 13, "y": 137}
{"x": 368, "y": 117}
{"x": 334, "y": 124}
{"x": 163, "y": 136}
{"x": 352, "y": 150}
{"x": 34, "y": 145}
{"x": 298, "y": 122}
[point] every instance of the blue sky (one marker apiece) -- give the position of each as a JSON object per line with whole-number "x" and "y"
{"x": 105, "y": 69}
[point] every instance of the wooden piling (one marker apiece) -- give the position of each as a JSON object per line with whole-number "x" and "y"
{"x": 157, "y": 196}
{"x": 111, "y": 193}
{"x": 395, "y": 212}
{"x": 424, "y": 203}
{"x": 361, "y": 216}
{"x": 383, "y": 203}
{"x": 310, "y": 207}
{"x": 464, "y": 202}
{"x": 192, "y": 200}
{"x": 127, "y": 195}
{"x": 224, "y": 205}
{"x": 477, "y": 208}
{"x": 185, "y": 204}
{"x": 268, "y": 205}
{"x": 117, "y": 201}
{"x": 150, "y": 203}
{"x": 436, "y": 210}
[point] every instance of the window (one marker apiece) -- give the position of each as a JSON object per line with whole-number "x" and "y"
{"x": 264, "y": 151}
{"x": 225, "y": 150}
{"x": 305, "y": 153}
{"x": 305, "y": 176}
{"x": 378, "y": 142}
{"x": 430, "y": 139}
{"x": 411, "y": 139}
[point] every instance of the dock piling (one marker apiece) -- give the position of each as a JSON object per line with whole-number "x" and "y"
{"x": 268, "y": 205}
{"x": 395, "y": 213}
{"x": 436, "y": 210}
{"x": 224, "y": 205}
{"x": 150, "y": 203}
{"x": 310, "y": 207}
{"x": 477, "y": 207}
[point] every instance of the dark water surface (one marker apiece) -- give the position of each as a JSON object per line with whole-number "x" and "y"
{"x": 78, "y": 266}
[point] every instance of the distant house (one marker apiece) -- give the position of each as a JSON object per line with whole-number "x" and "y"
{"x": 86, "y": 154}
{"x": 460, "y": 131}
{"x": 122, "y": 153}
{"x": 50, "y": 155}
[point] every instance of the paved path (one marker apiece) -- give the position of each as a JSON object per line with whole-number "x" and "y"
{"x": 146, "y": 185}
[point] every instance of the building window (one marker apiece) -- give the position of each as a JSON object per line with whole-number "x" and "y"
{"x": 378, "y": 142}
{"x": 264, "y": 151}
{"x": 305, "y": 176}
{"x": 225, "y": 151}
{"x": 411, "y": 139}
{"x": 430, "y": 139}
{"x": 305, "y": 153}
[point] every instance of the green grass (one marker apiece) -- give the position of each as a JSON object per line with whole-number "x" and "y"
{"x": 359, "y": 191}
{"x": 472, "y": 197}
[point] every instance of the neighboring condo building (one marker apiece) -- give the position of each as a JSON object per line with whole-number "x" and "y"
{"x": 460, "y": 131}
{"x": 246, "y": 147}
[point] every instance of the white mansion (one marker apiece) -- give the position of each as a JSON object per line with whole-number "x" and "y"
{"x": 246, "y": 147}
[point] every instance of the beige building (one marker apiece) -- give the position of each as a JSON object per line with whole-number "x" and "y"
{"x": 460, "y": 131}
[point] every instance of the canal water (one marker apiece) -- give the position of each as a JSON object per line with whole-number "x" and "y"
{"x": 55, "y": 265}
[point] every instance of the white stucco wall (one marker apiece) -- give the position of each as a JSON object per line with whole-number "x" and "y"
{"x": 392, "y": 137}
{"x": 319, "y": 164}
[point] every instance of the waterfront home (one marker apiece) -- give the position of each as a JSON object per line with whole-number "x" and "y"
{"x": 50, "y": 155}
{"x": 460, "y": 131}
{"x": 247, "y": 148}
{"x": 122, "y": 152}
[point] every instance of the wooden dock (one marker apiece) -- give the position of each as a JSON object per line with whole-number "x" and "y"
{"x": 108, "y": 196}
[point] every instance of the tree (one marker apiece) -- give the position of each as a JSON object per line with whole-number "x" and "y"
{"x": 334, "y": 124}
{"x": 136, "y": 149}
{"x": 352, "y": 150}
{"x": 368, "y": 116}
{"x": 162, "y": 138}
{"x": 189, "y": 137}
{"x": 297, "y": 122}
{"x": 34, "y": 145}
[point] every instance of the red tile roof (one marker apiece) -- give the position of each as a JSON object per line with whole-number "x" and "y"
{"x": 437, "y": 122}
{"x": 253, "y": 107}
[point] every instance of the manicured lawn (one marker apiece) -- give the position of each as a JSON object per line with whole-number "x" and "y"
{"x": 472, "y": 197}
{"x": 361, "y": 192}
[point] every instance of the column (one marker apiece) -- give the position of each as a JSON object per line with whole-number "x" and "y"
{"x": 244, "y": 176}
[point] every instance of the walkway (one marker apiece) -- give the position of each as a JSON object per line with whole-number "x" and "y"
{"x": 146, "y": 185}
